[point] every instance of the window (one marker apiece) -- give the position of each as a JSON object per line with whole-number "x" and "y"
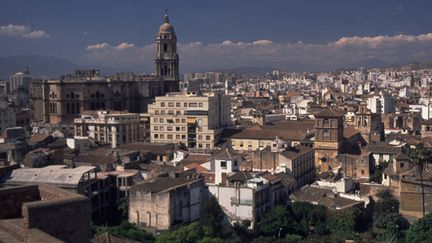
{"x": 235, "y": 162}
{"x": 161, "y": 120}
{"x": 401, "y": 165}
{"x": 169, "y": 129}
{"x": 169, "y": 136}
{"x": 185, "y": 104}
{"x": 156, "y": 136}
{"x": 177, "y": 137}
{"x": 362, "y": 172}
{"x": 183, "y": 120}
{"x": 326, "y": 134}
{"x": 156, "y": 112}
{"x": 177, "y": 104}
{"x": 162, "y": 104}
{"x": 200, "y": 104}
{"x": 178, "y": 112}
{"x": 223, "y": 164}
{"x": 326, "y": 122}
{"x": 177, "y": 120}
{"x": 156, "y": 128}
{"x": 170, "y": 104}
{"x": 162, "y": 136}
{"x": 155, "y": 120}
{"x": 194, "y": 104}
{"x": 177, "y": 129}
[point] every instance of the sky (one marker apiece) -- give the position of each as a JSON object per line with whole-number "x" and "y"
{"x": 214, "y": 34}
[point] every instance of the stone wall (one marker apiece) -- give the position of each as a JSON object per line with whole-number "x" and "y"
{"x": 12, "y": 199}
{"x": 67, "y": 219}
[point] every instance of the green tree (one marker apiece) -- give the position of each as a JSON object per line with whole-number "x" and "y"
{"x": 385, "y": 208}
{"x": 419, "y": 156}
{"x": 123, "y": 207}
{"x": 378, "y": 170}
{"x": 277, "y": 222}
{"x": 214, "y": 218}
{"x": 190, "y": 233}
{"x": 421, "y": 230}
{"x": 126, "y": 230}
{"x": 344, "y": 222}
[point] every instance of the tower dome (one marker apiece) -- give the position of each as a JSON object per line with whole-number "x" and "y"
{"x": 166, "y": 27}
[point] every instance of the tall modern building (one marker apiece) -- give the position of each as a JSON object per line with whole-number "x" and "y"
{"x": 19, "y": 80}
{"x": 191, "y": 118}
{"x": 66, "y": 98}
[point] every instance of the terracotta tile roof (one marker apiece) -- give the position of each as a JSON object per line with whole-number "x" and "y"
{"x": 331, "y": 113}
{"x": 295, "y": 152}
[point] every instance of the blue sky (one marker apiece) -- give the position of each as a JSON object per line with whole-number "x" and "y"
{"x": 66, "y": 29}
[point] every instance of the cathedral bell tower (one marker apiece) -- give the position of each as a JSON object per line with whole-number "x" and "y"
{"x": 167, "y": 60}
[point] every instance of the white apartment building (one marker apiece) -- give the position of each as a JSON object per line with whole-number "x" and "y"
{"x": 112, "y": 127}
{"x": 18, "y": 80}
{"x": 190, "y": 118}
{"x": 7, "y": 116}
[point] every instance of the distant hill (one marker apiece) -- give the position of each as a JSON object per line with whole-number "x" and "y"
{"x": 40, "y": 66}
{"x": 246, "y": 70}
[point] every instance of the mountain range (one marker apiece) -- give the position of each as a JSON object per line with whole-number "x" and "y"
{"x": 52, "y": 67}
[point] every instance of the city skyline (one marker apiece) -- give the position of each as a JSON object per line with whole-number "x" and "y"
{"x": 292, "y": 35}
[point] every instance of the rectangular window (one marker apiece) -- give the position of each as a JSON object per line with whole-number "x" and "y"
{"x": 185, "y": 104}
{"x": 161, "y": 120}
{"x": 170, "y": 104}
{"x": 177, "y": 104}
{"x": 162, "y": 104}
{"x": 208, "y": 138}
{"x": 223, "y": 164}
{"x": 200, "y": 104}
{"x": 193, "y": 104}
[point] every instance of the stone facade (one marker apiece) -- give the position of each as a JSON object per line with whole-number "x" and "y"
{"x": 39, "y": 211}
{"x": 166, "y": 201}
{"x": 66, "y": 98}
{"x": 328, "y": 137}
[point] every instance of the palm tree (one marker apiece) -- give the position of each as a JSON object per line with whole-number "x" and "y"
{"x": 419, "y": 156}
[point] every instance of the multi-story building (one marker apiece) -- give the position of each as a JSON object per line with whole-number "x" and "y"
{"x": 110, "y": 127}
{"x": 166, "y": 201}
{"x": 19, "y": 80}
{"x": 66, "y": 98}
{"x": 7, "y": 116}
{"x": 193, "y": 119}
{"x": 328, "y": 137}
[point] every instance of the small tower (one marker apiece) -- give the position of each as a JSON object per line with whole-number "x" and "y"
{"x": 167, "y": 59}
{"x": 328, "y": 138}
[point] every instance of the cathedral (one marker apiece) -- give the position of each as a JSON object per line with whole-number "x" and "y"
{"x": 64, "y": 99}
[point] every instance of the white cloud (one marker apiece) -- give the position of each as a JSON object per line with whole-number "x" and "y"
{"x": 292, "y": 56}
{"x": 22, "y": 31}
